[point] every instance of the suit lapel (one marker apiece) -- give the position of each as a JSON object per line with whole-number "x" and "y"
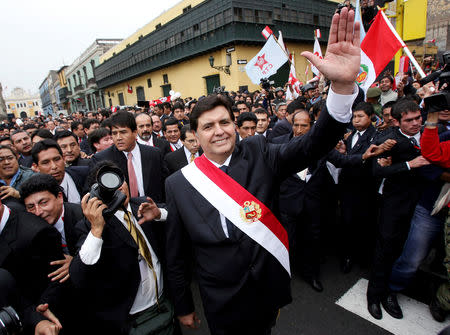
{"x": 238, "y": 169}
{"x": 119, "y": 229}
{"x": 7, "y": 237}
{"x": 146, "y": 166}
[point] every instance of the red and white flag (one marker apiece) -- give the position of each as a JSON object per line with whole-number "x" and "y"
{"x": 293, "y": 82}
{"x": 377, "y": 49}
{"x": 318, "y": 52}
{"x": 317, "y": 33}
{"x": 129, "y": 89}
{"x": 239, "y": 206}
{"x": 307, "y": 70}
{"x": 403, "y": 64}
{"x": 266, "y": 63}
{"x": 267, "y": 32}
{"x": 159, "y": 101}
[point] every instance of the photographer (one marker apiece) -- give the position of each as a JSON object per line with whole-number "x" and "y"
{"x": 117, "y": 270}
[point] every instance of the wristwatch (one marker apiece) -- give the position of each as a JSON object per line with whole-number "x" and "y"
{"x": 431, "y": 124}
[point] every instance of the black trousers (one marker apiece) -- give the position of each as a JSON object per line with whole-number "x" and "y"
{"x": 393, "y": 227}
{"x": 262, "y": 327}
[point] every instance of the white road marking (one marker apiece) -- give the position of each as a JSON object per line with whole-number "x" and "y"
{"x": 417, "y": 319}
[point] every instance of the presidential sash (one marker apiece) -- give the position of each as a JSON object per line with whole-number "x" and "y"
{"x": 239, "y": 206}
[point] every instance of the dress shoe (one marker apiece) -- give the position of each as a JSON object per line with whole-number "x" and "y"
{"x": 390, "y": 304}
{"x": 375, "y": 310}
{"x": 437, "y": 312}
{"x": 315, "y": 284}
{"x": 346, "y": 265}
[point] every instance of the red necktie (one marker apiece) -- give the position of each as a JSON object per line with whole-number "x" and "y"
{"x": 132, "y": 177}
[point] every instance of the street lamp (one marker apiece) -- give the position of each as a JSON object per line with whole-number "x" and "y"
{"x": 224, "y": 68}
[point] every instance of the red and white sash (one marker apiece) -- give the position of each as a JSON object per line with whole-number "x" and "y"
{"x": 239, "y": 206}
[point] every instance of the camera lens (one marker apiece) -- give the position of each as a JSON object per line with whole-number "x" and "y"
{"x": 9, "y": 322}
{"x": 110, "y": 180}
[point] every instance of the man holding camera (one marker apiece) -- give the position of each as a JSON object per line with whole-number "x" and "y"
{"x": 117, "y": 270}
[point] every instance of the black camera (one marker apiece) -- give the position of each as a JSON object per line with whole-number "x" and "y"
{"x": 106, "y": 188}
{"x": 9, "y": 322}
{"x": 266, "y": 83}
{"x": 439, "y": 101}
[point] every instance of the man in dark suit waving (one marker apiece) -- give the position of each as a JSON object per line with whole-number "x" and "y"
{"x": 142, "y": 165}
{"x": 241, "y": 254}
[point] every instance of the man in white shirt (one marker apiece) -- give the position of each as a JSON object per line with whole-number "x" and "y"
{"x": 118, "y": 269}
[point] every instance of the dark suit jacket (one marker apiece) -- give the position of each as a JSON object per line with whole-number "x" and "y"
{"x": 72, "y": 214}
{"x": 79, "y": 175}
{"x": 281, "y": 128}
{"x": 161, "y": 144}
{"x": 109, "y": 286}
{"x": 238, "y": 278}
{"x": 85, "y": 146}
{"x": 26, "y": 161}
{"x": 176, "y": 160}
{"x": 154, "y": 170}
{"x": 80, "y": 162}
{"x": 27, "y": 246}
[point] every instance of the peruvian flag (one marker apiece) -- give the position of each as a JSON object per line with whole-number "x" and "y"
{"x": 318, "y": 53}
{"x": 293, "y": 82}
{"x": 267, "y": 32}
{"x": 404, "y": 64}
{"x": 159, "y": 101}
{"x": 378, "y": 47}
{"x": 113, "y": 109}
{"x": 129, "y": 89}
{"x": 266, "y": 63}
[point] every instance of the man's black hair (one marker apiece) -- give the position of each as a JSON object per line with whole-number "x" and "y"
{"x": 294, "y": 105}
{"x": 184, "y": 130}
{"x": 170, "y": 122}
{"x": 8, "y": 147}
{"x": 39, "y": 182}
{"x": 167, "y": 105}
{"x": 262, "y": 111}
{"x": 63, "y": 134}
{"x": 89, "y": 122}
{"x": 17, "y": 131}
{"x": 42, "y": 146}
{"x": 310, "y": 115}
{"x": 206, "y": 104}
{"x": 246, "y": 116}
{"x": 403, "y": 106}
{"x": 123, "y": 119}
{"x": 29, "y": 126}
{"x": 389, "y": 104}
{"x": 242, "y": 102}
{"x": 75, "y": 125}
{"x": 366, "y": 107}
{"x": 44, "y": 133}
{"x": 318, "y": 107}
{"x": 178, "y": 105}
{"x": 96, "y": 136}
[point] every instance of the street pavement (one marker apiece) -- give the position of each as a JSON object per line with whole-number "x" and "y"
{"x": 313, "y": 313}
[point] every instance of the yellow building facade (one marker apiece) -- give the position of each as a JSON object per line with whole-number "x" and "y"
{"x": 190, "y": 77}
{"x": 21, "y": 104}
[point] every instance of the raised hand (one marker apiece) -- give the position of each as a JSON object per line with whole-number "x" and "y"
{"x": 343, "y": 57}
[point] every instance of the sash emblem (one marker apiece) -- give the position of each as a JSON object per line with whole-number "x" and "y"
{"x": 250, "y": 212}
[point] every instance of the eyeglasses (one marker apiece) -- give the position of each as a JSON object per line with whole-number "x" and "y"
{"x": 5, "y": 158}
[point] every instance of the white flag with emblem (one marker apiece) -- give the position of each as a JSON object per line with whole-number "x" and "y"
{"x": 266, "y": 62}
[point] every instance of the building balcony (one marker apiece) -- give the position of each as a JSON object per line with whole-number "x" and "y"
{"x": 79, "y": 88}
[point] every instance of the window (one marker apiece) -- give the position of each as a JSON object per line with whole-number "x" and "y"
{"x": 186, "y": 9}
{"x": 121, "y": 100}
{"x": 149, "y": 82}
{"x": 158, "y": 26}
{"x": 196, "y": 27}
{"x": 315, "y": 19}
{"x": 165, "y": 79}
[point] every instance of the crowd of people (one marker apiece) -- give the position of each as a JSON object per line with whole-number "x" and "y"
{"x": 105, "y": 215}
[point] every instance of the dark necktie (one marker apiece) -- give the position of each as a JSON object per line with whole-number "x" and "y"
{"x": 230, "y": 225}
{"x": 414, "y": 141}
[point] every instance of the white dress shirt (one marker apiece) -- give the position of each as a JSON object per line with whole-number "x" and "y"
{"x": 59, "y": 225}
{"x": 70, "y": 189}
{"x": 340, "y": 106}
{"x": 90, "y": 253}
{"x": 5, "y": 217}
{"x": 188, "y": 154}
{"x": 149, "y": 142}
{"x": 222, "y": 217}
{"x": 136, "y": 159}
{"x": 176, "y": 146}
{"x": 355, "y": 137}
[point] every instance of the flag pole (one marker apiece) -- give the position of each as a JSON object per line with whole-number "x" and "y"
{"x": 284, "y": 50}
{"x": 404, "y": 46}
